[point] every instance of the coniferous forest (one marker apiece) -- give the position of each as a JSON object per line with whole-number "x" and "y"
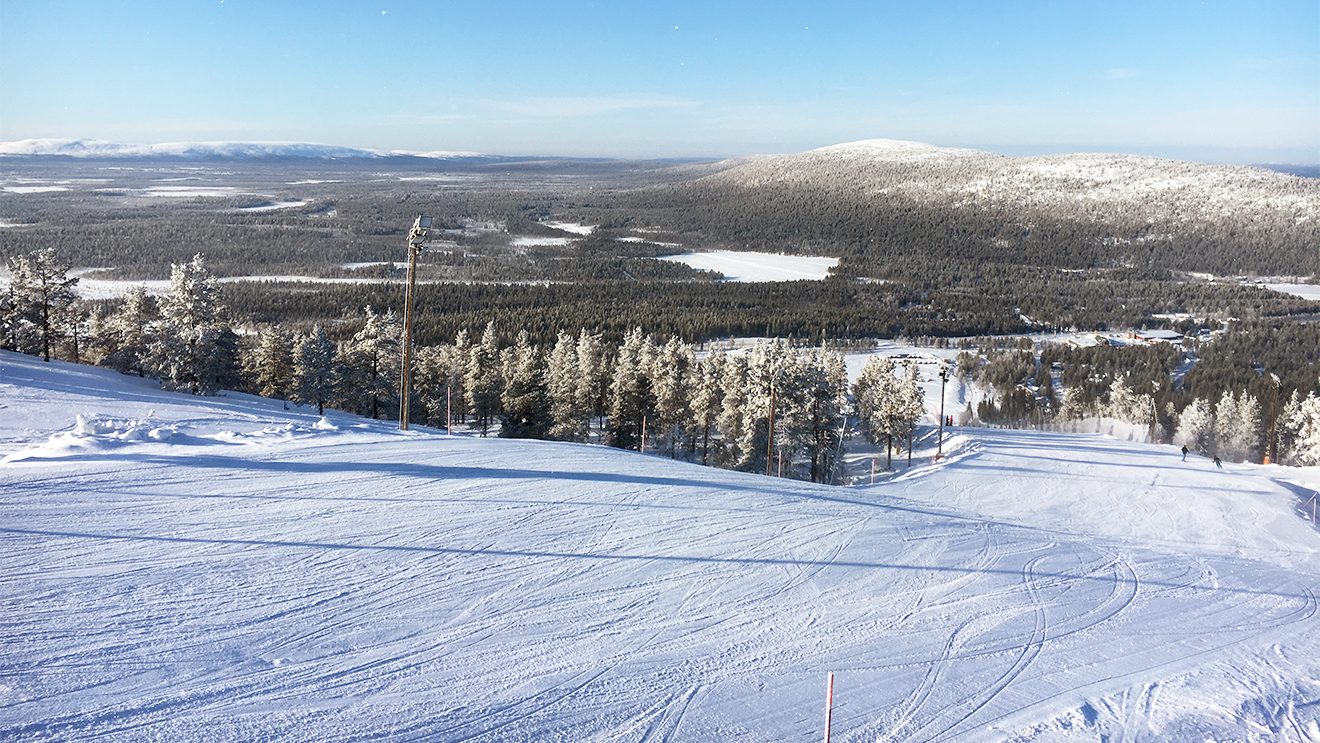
{"x": 537, "y": 273}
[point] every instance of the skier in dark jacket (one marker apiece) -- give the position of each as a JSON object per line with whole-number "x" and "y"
{"x": 1184, "y": 453}
{"x": 1218, "y": 463}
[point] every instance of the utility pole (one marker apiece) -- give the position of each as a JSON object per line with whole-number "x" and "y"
{"x": 416, "y": 239}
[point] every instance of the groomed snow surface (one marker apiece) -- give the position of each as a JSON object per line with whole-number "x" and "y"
{"x": 220, "y": 569}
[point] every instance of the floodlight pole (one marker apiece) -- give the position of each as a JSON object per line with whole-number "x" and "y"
{"x": 416, "y": 239}
{"x": 939, "y": 438}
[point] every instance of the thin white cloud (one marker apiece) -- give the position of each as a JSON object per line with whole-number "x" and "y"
{"x": 576, "y": 107}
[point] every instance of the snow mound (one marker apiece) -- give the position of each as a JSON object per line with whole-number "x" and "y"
{"x": 93, "y": 433}
{"x": 98, "y": 434}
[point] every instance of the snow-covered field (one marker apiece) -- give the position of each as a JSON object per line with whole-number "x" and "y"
{"x": 1305, "y": 291}
{"x": 218, "y": 569}
{"x": 739, "y": 265}
{"x": 573, "y": 227}
{"x": 34, "y": 189}
{"x": 525, "y": 241}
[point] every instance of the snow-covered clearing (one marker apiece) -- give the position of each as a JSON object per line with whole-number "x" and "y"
{"x": 190, "y": 192}
{"x": 373, "y": 264}
{"x": 180, "y": 568}
{"x": 737, "y": 265}
{"x": 1305, "y": 291}
{"x": 524, "y": 242}
{"x": 573, "y": 227}
{"x": 272, "y": 206}
{"x": 35, "y": 189}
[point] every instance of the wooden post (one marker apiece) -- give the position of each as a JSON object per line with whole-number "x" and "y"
{"x": 829, "y": 704}
{"x": 643, "y": 445}
{"x": 872, "y": 470}
{"x": 449, "y": 410}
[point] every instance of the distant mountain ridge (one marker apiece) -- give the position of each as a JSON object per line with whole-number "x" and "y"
{"x": 94, "y": 148}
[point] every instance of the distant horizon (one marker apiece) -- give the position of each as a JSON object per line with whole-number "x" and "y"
{"x": 1211, "y": 156}
{"x": 1203, "y": 80}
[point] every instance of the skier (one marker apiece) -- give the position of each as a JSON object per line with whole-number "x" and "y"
{"x": 1218, "y": 463}
{"x": 1184, "y": 453}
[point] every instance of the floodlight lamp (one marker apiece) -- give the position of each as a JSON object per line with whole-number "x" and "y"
{"x": 423, "y": 222}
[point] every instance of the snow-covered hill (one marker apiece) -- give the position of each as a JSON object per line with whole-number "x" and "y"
{"x": 1089, "y": 184}
{"x": 221, "y": 569}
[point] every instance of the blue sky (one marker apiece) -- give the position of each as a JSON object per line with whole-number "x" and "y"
{"x": 1231, "y": 81}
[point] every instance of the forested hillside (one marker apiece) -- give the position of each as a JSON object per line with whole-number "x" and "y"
{"x": 880, "y": 201}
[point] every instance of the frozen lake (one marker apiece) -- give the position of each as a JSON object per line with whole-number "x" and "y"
{"x": 739, "y": 265}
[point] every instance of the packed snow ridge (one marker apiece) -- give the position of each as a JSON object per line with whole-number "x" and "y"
{"x": 180, "y": 568}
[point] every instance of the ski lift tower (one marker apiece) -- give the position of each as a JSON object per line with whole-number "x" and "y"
{"x": 416, "y": 239}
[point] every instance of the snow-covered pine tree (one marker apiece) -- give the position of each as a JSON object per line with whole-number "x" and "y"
{"x": 526, "y": 413}
{"x": 75, "y": 321}
{"x": 594, "y": 375}
{"x": 567, "y": 408}
{"x": 457, "y": 393}
{"x": 1074, "y": 405}
{"x": 270, "y": 365}
{"x": 731, "y": 417}
{"x": 371, "y": 364}
{"x": 824, "y": 386}
{"x": 911, "y": 404}
{"x": 1127, "y": 404}
{"x": 314, "y": 373}
{"x": 631, "y": 399}
{"x": 1287, "y": 426}
{"x": 1304, "y": 424}
{"x": 707, "y": 399}
{"x": 482, "y": 379}
{"x": 193, "y": 348}
{"x": 1237, "y": 427}
{"x": 41, "y": 293}
{"x": 1196, "y": 426}
{"x": 878, "y": 402}
{"x": 671, "y": 374}
{"x": 124, "y": 336}
{"x": 771, "y": 384}
{"x": 438, "y": 381}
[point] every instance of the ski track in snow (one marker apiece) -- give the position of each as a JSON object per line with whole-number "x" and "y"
{"x": 254, "y": 577}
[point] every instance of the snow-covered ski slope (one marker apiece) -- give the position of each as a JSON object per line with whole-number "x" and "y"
{"x": 220, "y": 569}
